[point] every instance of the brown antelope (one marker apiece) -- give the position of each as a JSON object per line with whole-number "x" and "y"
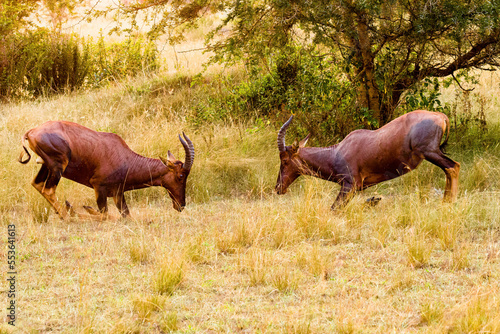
{"x": 365, "y": 158}
{"x": 101, "y": 161}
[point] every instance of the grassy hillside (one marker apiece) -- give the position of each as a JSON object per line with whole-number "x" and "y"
{"x": 240, "y": 258}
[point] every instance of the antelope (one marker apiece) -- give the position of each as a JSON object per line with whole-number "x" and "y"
{"x": 102, "y": 161}
{"x": 367, "y": 157}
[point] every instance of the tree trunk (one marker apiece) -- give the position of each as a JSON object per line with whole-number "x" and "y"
{"x": 369, "y": 95}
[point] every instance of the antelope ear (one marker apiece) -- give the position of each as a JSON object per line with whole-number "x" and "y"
{"x": 171, "y": 157}
{"x": 303, "y": 142}
{"x": 168, "y": 162}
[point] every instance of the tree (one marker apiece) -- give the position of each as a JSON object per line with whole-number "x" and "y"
{"x": 59, "y": 11}
{"x": 14, "y": 14}
{"x": 384, "y": 47}
{"x": 19, "y": 15}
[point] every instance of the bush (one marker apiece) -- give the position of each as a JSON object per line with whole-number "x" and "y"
{"x": 121, "y": 59}
{"x": 40, "y": 62}
{"x": 59, "y": 63}
{"x": 12, "y": 68}
{"x": 310, "y": 86}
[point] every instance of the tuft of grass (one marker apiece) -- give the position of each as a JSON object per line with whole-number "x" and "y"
{"x": 199, "y": 249}
{"x": 139, "y": 251}
{"x": 313, "y": 216}
{"x": 123, "y": 326}
{"x": 146, "y": 307}
{"x": 40, "y": 209}
{"x": 7, "y": 329}
{"x": 311, "y": 259}
{"x": 401, "y": 281}
{"x": 431, "y": 313}
{"x": 283, "y": 279}
{"x": 382, "y": 233}
{"x": 170, "y": 273}
{"x": 225, "y": 245}
{"x": 459, "y": 257}
{"x": 408, "y": 211}
{"x": 423, "y": 183}
{"x": 345, "y": 327}
{"x": 300, "y": 326}
{"x": 243, "y": 235}
{"x": 168, "y": 322}
{"x": 482, "y": 175}
{"x": 479, "y": 315}
{"x": 419, "y": 249}
{"x": 280, "y": 233}
{"x": 256, "y": 266}
{"x": 448, "y": 234}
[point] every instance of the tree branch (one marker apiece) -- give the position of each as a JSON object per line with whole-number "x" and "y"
{"x": 466, "y": 60}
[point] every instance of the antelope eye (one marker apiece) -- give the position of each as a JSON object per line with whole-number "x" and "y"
{"x": 181, "y": 175}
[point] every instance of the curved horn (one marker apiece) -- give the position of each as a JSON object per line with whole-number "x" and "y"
{"x": 189, "y": 148}
{"x": 282, "y": 133}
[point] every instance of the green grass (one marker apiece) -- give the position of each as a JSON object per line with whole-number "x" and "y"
{"x": 239, "y": 257}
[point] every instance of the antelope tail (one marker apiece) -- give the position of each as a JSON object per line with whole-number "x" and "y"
{"x": 22, "y": 154}
{"x": 445, "y": 142}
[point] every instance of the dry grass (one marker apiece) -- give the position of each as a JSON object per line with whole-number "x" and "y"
{"x": 239, "y": 258}
{"x": 82, "y": 276}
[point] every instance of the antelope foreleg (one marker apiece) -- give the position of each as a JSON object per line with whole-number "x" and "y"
{"x": 94, "y": 214}
{"x": 91, "y": 215}
{"x": 344, "y": 196}
{"x": 121, "y": 204}
{"x": 102, "y": 203}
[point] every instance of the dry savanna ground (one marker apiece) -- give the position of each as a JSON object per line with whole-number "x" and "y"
{"x": 240, "y": 258}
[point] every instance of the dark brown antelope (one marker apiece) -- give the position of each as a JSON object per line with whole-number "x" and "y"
{"x": 365, "y": 158}
{"x": 101, "y": 161}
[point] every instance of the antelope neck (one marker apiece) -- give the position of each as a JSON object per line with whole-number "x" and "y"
{"x": 318, "y": 161}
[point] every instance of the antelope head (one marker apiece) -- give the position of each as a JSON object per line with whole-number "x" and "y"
{"x": 292, "y": 166}
{"x": 175, "y": 179}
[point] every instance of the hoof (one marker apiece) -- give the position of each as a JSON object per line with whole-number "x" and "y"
{"x": 372, "y": 201}
{"x": 70, "y": 209}
{"x": 91, "y": 210}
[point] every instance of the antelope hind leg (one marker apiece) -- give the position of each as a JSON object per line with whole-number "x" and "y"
{"x": 46, "y": 183}
{"x": 451, "y": 169}
{"x": 451, "y": 189}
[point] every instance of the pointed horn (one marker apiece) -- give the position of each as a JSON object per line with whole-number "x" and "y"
{"x": 282, "y": 133}
{"x": 189, "y": 148}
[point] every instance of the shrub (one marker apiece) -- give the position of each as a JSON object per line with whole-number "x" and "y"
{"x": 121, "y": 59}
{"x": 41, "y": 62}
{"x": 308, "y": 85}
{"x": 59, "y": 63}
